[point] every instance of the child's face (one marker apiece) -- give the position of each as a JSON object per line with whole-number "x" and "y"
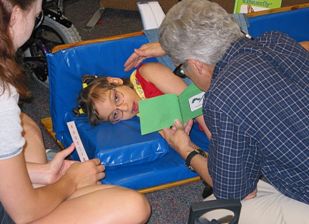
{"x": 120, "y": 103}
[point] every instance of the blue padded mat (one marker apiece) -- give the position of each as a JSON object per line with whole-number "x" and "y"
{"x": 160, "y": 163}
{"x": 293, "y": 22}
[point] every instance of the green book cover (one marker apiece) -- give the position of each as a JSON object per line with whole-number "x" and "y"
{"x": 248, "y": 6}
{"x": 160, "y": 112}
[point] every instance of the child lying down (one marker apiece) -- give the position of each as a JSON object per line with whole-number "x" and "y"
{"x": 114, "y": 99}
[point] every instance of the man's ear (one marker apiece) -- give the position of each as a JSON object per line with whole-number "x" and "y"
{"x": 197, "y": 64}
{"x": 114, "y": 80}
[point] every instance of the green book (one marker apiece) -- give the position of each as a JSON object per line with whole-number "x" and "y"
{"x": 248, "y": 6}
{"x": 160, "y": 112}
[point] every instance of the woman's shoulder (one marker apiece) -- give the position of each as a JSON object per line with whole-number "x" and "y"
{"x": 8, "y": 93}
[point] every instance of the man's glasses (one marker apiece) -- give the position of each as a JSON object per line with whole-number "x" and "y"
{"x": 38, "y": 20}
{"x": 118, "y": 99}
{"x": 179, "y": 72}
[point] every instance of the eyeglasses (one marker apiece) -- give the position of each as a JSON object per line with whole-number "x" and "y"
{"x": 179, "y": 72}
{"x": 39, "y": 20}
{"x": 118, "y": 99}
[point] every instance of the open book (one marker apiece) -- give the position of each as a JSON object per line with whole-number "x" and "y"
{"x": 160, "y": 112}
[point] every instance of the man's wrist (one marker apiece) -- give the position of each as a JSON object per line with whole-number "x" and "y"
{"x": 191, "y": 155}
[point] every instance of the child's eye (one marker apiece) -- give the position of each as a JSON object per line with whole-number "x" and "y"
{"x": 116, "y": 98}
{"x": 115, "y": 116}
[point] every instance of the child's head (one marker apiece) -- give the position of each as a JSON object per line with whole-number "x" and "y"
{"x": 107, "y": 99}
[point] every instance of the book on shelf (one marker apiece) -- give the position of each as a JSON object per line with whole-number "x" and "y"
{"x": 249, "y": 6}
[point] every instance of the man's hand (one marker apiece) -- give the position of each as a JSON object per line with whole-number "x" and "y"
{"x": 149, "y": 50}
{"x": 178, "y": 138}
{"x": 251, "y": 195}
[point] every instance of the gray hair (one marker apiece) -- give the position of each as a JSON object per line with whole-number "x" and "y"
{"x": 197, "y": 29}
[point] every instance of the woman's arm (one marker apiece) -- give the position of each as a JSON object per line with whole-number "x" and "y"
{"x": 41, "y": 173}
{"x": 25, "y": 203}
{"x": 45, "y": 174}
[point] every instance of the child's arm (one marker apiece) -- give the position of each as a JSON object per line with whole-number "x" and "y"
{"x": 163, "y": 78}
{"x": 200, "y": 120}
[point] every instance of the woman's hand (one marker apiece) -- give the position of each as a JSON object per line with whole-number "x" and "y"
{"x": 149, "y": 50}
{"x": 58, "y": 166}
{"x": 86, "y": 173}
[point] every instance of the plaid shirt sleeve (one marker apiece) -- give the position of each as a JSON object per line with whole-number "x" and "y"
{"x": 234, "y": 161}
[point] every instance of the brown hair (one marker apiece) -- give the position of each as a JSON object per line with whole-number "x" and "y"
{"x": 10, "y": 70}
{"x": 95, "y": 90}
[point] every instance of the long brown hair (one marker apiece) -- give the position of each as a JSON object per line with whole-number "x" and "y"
{"x": 10, "y": 70}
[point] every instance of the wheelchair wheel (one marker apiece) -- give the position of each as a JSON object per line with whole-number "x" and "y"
{"x": 42, "y": 41}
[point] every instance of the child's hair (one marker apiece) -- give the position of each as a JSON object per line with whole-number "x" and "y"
{"x": 94, "y": 87}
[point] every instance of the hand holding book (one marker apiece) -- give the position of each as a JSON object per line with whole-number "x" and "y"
{"x": 160, "y": 112}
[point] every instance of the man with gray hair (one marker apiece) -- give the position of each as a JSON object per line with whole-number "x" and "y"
{"x": 255, "y": 106}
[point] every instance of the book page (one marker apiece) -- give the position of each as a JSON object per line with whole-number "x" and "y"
{"x": 190, "y": 101}
{"x": 158, "y": 113}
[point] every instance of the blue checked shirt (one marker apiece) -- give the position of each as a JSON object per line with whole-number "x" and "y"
{"x": 257, "y": 110}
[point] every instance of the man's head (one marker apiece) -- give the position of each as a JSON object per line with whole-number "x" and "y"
{"x": 199, "y": 30}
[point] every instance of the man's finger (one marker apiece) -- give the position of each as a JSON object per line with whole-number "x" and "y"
{"x": 140, "y": 53}
{"x": 178, "y": 125}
